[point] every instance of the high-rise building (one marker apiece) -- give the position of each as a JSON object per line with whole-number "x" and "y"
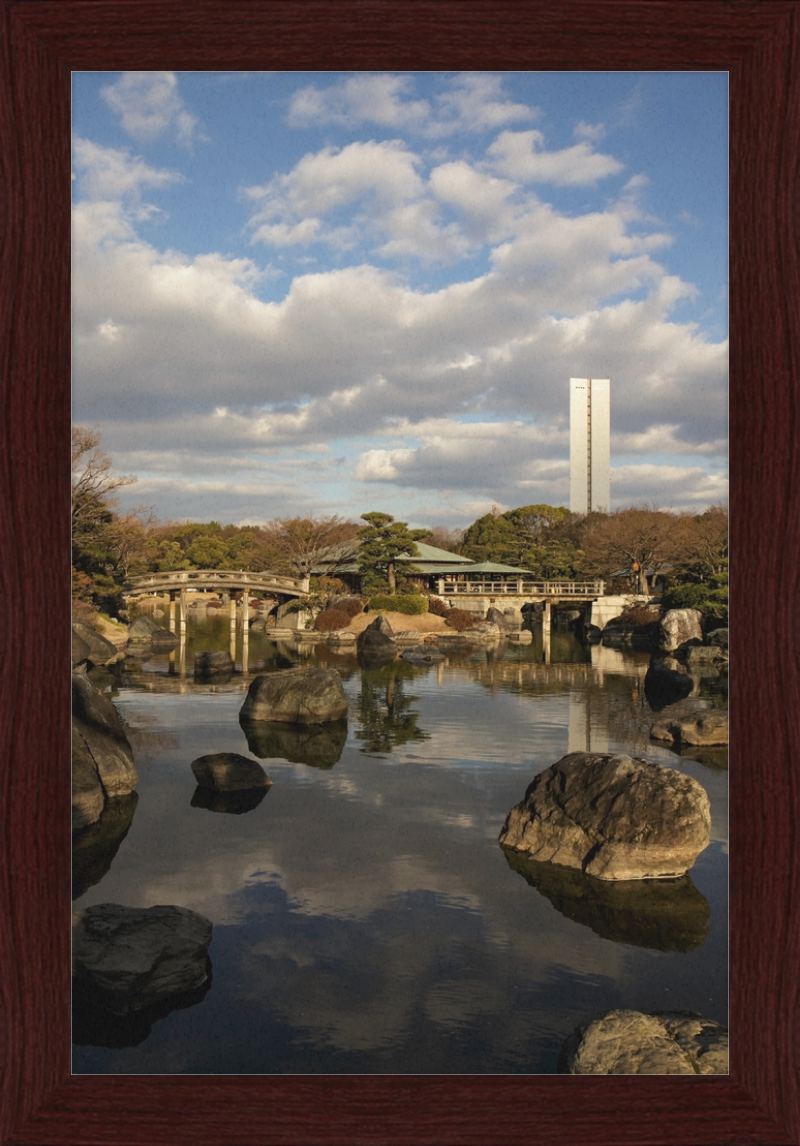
{"x": 589, "y": 444}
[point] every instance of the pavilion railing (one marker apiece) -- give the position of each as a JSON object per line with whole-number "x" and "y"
{"x": 522, "y": 588}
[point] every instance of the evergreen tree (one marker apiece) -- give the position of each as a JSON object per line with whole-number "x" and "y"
{"x": 383, "y": 540}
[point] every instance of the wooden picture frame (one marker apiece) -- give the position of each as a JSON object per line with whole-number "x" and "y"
{"x": 759, "y": 45}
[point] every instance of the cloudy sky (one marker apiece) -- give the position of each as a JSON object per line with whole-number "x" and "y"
{"x": 316, "y": 293}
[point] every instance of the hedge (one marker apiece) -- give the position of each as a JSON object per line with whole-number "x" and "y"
{"x": 409, "y": 603}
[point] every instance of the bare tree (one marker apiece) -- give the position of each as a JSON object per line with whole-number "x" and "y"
{"x": 94, "y": 482}
{"x": 637, "y": 540}
{"x": 298, "y": 544}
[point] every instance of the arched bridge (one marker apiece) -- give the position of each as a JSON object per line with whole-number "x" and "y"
{"x": 182, "y": 580}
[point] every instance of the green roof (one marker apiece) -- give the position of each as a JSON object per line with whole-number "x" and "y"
{"x": 493, "y": 567}
{"x": 428, "y": 555}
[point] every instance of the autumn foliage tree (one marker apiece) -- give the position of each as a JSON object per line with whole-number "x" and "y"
{"x": 637, "y": 540}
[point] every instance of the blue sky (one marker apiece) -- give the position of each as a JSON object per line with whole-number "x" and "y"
{"x": 317, "y": 293}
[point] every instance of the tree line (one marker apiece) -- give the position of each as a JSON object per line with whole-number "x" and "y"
{"x": 628, "y": 548}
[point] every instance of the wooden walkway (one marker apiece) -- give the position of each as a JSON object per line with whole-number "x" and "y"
{"x": 183, "y": 580}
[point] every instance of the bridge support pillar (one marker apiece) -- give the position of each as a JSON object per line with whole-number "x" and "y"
{"x": 546, "y": 621}
{"x": 171, "y": 599}
{"x": 245, "y": 609}
{"x": 183, "y": 614}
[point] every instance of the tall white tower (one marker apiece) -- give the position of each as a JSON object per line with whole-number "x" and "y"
{"x": 589, "y": 444}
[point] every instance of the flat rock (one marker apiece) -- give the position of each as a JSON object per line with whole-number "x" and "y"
{"x": 614, "y": 817}
{"x": 296, "y": 696}
{"x": 631, "y": 1042}
{"x": 704, "y": 729}
{"x": 422, "y": 655}
{"x": 214, "y": 663}
{"x": 229, "y": 772}
{"x": 129, "y": 958}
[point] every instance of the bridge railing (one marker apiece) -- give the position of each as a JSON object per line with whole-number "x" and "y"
{"x": 522, "y": 588}
{"x": 221, "y": 578}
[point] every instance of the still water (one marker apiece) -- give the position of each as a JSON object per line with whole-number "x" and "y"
{"x": 365, "y": 918}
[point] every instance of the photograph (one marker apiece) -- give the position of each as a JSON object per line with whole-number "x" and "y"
{"x": 400, "y": 572}
{"x": 419, "y": 365}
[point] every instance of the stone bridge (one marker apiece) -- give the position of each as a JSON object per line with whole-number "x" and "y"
{"x": 206, "y": 580}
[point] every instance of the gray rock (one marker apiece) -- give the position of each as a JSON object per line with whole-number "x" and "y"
{"x": 94, "y": 848}
{"x": 100, "y": 651}
{"x": 296, "y": 696}
{"x": 630, "y": 1042}
{"x": 718, "y": 638}
{"x": 142, "y": 628}
{"x": 614, "y": 817}
{"x": 100, "y": 749}
{"x": 700, "y": 656}
{"x": 229, "y": 772}
{"x": 80, "y": 650}
{"x": 422, "y": 655}
{"x": 376, "y": 645}
{"x": 208, "y": 664}
{"x": 495, "y": 617}
{"x": 128, "y": 958}
{"x": 678, "y": 627}
{"x": 706, "y": 728}
{"x": 163, "y": 639}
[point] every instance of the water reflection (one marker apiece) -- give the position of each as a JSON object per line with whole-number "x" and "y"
{"x": 95, "y": 1027}
{"x": 95, "y": 846}
{"x": 318, "y": 745}
{"x": 384, "y": 710}
{"x": 235, "y": 803}
{"x": 667, "y": 915}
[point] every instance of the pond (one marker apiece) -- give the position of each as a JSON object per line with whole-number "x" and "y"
{"x": 365, "y": 919}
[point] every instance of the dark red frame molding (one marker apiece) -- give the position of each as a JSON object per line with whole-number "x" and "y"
{"x": 42, "y": 42}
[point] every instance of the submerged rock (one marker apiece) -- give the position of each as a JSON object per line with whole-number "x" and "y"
{"x": 209, "y": 665}
{"x": 666, "y": 682}
{"x": 296, "y": 696}
{"x": 615, "y": 817}
{"x": 129, "y": 958}
{"x": 422, "y": 655}
{"x": 233, "y": 803}
{"x": 631, "y": 1042}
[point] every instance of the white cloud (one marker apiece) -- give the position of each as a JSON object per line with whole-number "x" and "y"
{"x": 521, "y": 155}
{"x": 148, "y": 105}
{"x": 109, "y": 174}
{"x": 593, "y": 132}
{"x": 471, "y": 101}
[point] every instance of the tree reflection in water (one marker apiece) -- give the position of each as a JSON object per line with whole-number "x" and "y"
{"x": 384, "y": 710}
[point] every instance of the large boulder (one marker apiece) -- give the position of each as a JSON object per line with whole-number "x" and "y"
{"x": 376, "y": 646}
{"x": 101, "y": 753}
{"x": 718, "y": 638}
{"x": 495, "y": 617}
{"x": 630, "y": 1042}
{"x": 296, "y": 696}
{"x": 679, "y": 628}
{"x": 703, "y": 729}
{"x": 129, "y": 958}
{"x": 611, "y": 816}
{"x": 229, "y": 772}
{"x": 98, "y": 650}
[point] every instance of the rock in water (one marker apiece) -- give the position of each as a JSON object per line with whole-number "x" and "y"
{"x": 128, "y": 958}
{"x": 102, "y": 760}
{"x": 229, "y": 772}
{"x": 630, "y": 1042}
{"x": 375, "y": 646}
{"x": 99, "y": 650}
{"x": 710, "y": 727}
{"x": 296, "y": 696}
{"x": 611, "y": 816}
{"x": 211, "y": 664}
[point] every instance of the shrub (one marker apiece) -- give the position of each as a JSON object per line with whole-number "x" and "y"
{"x": 438, "y": 607}
{"x": 638, "y": 615}
{"x": 350, "y": 605}
{"x": 329, "y": 620}
{"x": 411, "y": 604}
{"x": 710, "y": 599}
{"x": 459, "y": 619}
